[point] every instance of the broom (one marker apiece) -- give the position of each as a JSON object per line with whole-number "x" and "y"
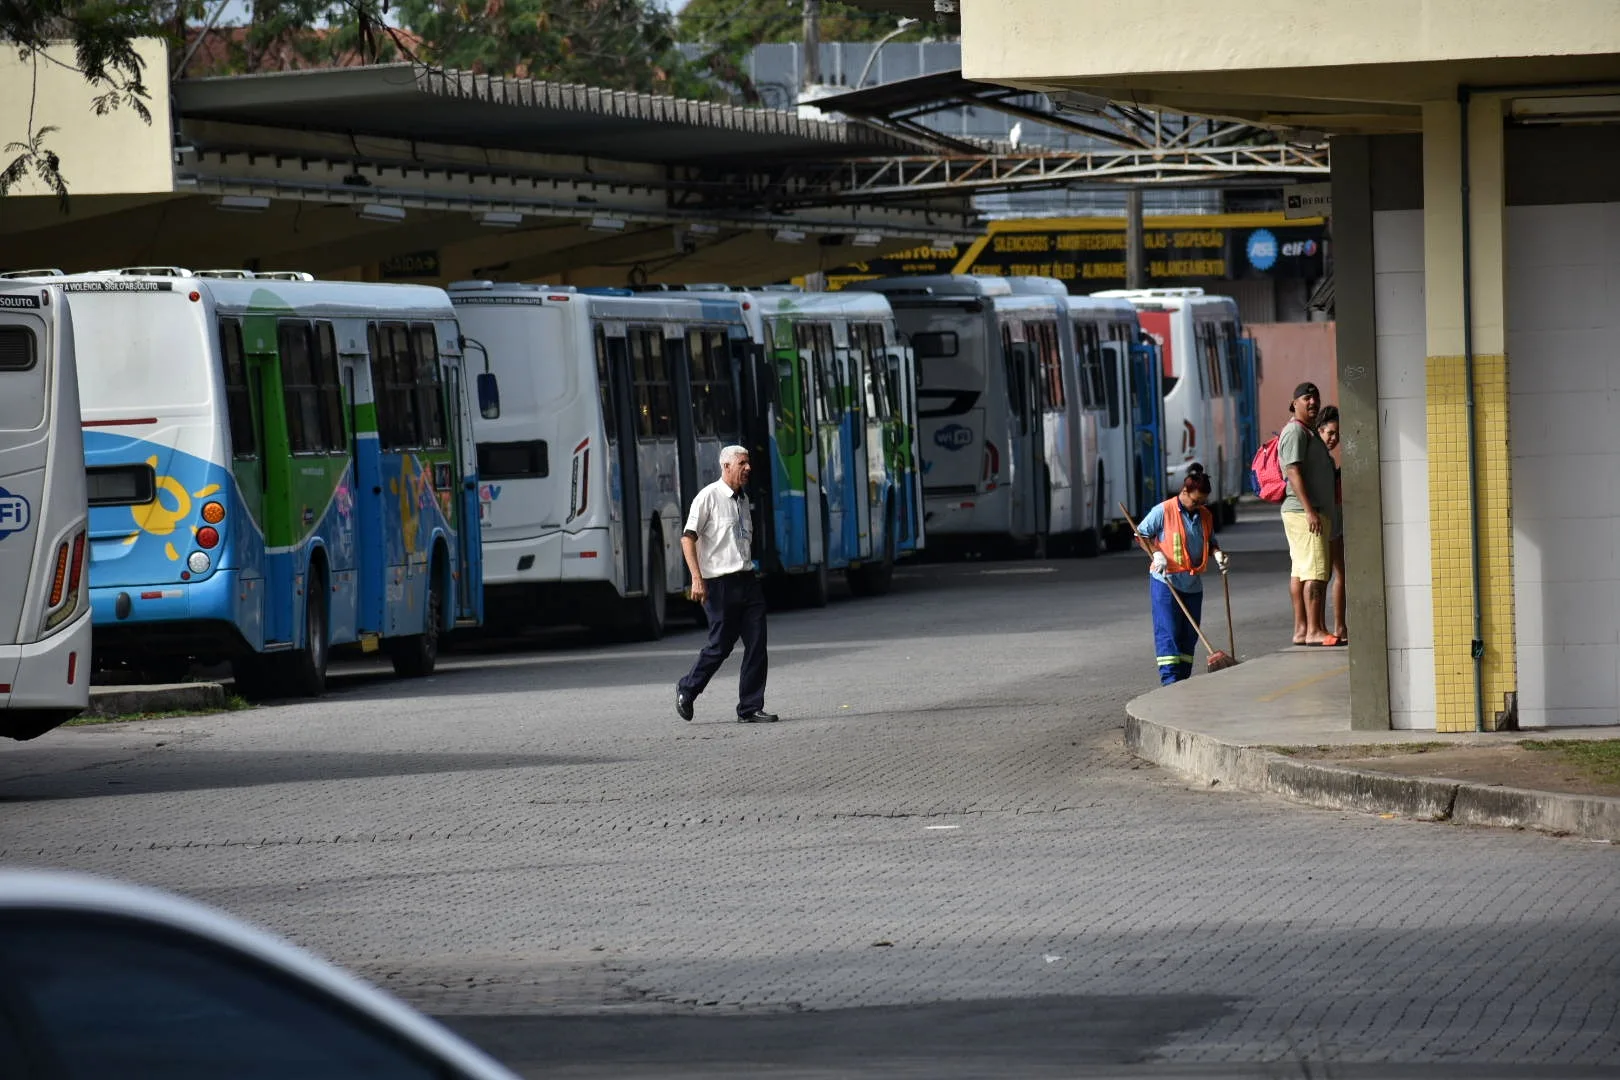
{"x": 1218, "y": 660}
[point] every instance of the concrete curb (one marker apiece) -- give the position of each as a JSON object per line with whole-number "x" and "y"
{"x": 167, "y": 697}
{"x": 1216, "y": 762}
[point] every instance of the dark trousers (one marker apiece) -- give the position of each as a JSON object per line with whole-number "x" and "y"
{"x": 1173, "y": 636}
{"x": 736, "y": 609}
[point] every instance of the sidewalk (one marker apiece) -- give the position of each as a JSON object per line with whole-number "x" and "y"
{"x": 1234, "y": 728}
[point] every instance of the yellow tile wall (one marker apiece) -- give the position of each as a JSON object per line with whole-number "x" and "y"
{"x": 1451, "y": 554}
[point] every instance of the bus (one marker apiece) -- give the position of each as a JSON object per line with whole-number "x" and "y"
{"x": 1209, "y": 378}
{"x": 277, "y": 466}
{"x": 614, "y": 408}
{"x": 983, "y": 355}
{"x": 44, "y": 603}
{"x": 846, "y": 489}
{"x": 1121, "y": 419}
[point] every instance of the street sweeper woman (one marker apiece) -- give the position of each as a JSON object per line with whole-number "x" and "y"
{"x": 1179, "y": 533}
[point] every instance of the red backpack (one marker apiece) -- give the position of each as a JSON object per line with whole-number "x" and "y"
{"x": 1266, "y": 471}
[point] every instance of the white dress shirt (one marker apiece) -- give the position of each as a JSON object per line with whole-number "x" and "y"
{"x": 724, "y": 524}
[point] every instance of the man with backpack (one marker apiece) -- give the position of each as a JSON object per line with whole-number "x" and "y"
{"x": 1307, "y": 514}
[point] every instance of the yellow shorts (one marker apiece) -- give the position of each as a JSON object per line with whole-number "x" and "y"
{"x": 1309, "y": 551}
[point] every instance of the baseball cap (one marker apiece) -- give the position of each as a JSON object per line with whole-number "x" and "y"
{"x": 1305, "y": 388}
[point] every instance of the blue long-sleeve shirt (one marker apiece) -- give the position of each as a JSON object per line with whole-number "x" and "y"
{"x": 1152, "y": 527}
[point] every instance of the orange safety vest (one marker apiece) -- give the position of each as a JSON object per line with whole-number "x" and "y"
{"x": 1173, "y": 538}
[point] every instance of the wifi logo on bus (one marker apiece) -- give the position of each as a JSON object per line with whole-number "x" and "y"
{"x": 953, "y": 437}
{"x": 15, "y": 513}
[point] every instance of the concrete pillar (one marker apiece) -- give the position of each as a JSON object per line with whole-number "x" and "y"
{"x": 1463, "y": 501}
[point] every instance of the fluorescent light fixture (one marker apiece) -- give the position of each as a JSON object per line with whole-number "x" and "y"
{"x": 380, "y": 212}
{"x": 606, "y": 224}
{"x": 243, "y": 204}
{"x": 942, "y": 243}
{"x": 1588, "y": 109}
{"x": 866, "y": 239}
{"x": 703, "y": 228}
{"x": 500, "y": 219}
{"x": 789, "y": 236}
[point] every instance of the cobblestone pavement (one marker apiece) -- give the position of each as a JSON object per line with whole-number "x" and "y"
{"x": 943, "y": 830}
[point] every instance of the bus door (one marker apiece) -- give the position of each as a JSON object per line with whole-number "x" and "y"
{"x": 859, "y": 487}
{"x": 1248, "y": 366}
{"x": 372, "y": 588}
{"x": 1026, "y": 439}
{"x": 902, "y": 373}
{"x": 1147, "y": 425}
{"x": 681, "y": 367}
{"x": 244, "y": 403}
{"x": 759, "y": 412}
{"x": 820, "y": 516}
{"x": 613, "y": 356}
{"x": 464, "y": 493}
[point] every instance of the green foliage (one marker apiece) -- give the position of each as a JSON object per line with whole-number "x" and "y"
{"x": 621, "y": 44}
{"x": 758, "y": 22}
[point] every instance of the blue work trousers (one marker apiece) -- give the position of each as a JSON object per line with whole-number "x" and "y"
{"x": 736, "y": 610}
{"x": 1174, "y": 638}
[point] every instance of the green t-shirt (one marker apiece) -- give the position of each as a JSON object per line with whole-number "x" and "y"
{"x": 1299, "y": 445}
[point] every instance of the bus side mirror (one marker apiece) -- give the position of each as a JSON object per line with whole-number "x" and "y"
{"x": 489, "y": 396}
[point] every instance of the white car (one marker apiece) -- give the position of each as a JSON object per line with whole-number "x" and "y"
{"x": 104, "y": 979}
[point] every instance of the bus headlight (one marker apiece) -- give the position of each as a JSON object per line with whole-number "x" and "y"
{"x": 198, "y": 563}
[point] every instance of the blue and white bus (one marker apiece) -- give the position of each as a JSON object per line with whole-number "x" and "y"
{"x": 44, "y": 601}
{"x": 277, "y": 466}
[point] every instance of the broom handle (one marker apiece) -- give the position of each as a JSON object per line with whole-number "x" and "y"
{"x": 1231, "y": 634}
{"x": 1173, "y": 594}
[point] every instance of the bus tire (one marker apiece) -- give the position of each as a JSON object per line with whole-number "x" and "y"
{"x": 652, "y": 609}
{"x": 876, "y": 578}
{"x": 304, "y": 670}
{"x": 414, "y": 656}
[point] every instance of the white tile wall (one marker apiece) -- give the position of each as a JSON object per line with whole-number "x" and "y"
{"x": 1563, "y": 293}
{"x": 1404, "y": 464}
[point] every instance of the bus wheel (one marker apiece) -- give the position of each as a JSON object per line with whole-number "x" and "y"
{"x": 416, "y": 655}
{"x": 876, "y": 578}
{"x": 305, "y": 670}
{"x": 651, "y": 611}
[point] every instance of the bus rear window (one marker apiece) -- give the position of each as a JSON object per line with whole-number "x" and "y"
{"x": 120, "y": 485}
{"x": 18, "y": 349}
{"x": 513, "y": 460}
{"x": 929, "y": 344}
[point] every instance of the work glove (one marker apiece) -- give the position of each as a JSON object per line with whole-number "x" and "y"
{"x": 1221, "y": 560}
{"x": 1160, "y": 564}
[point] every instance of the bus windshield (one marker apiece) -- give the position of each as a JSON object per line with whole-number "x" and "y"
{"x": 142, "y": 351}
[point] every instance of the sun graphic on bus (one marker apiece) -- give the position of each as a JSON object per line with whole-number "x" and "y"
{"x": 171, "y": 504}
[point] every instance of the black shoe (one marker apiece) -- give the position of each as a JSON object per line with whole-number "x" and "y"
{"x": 758, "y": 716}
{"x": 683, "y": 704}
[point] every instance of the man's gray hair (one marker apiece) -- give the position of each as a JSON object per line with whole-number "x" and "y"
{"x": 732, "y": 453}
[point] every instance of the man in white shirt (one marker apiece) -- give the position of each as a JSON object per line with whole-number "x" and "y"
{"x": 719, "y": 542}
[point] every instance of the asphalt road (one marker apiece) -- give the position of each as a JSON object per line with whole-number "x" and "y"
{"x": 941, "y": 862}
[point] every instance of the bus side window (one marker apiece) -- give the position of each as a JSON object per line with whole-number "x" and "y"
{"x": 1051, "y": 366}
{"x": 723, "y": 386}
{"x": 651, "y": 376}
{"x": 1111, "y": 383}
{"x": 238, "y": 394}
{"x": 391, "y": 384}
{"x": 604, "y": 388}
{"x": 329, "y": 383}
{"x": 299, "y": 389}
{"x": 427, "y": 387}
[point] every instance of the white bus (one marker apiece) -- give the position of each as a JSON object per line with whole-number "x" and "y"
{"x": 1206, "y": 393}
{"x": 44, "y": 596}
{"x": 983, "y": 356}
{"x": 613, "y": 411}
{"x": 1105, "y": 332}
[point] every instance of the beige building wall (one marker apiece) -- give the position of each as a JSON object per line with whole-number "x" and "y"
{"x": 113, "y": 154}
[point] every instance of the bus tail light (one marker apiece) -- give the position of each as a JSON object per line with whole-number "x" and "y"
{"x": 207, "y": 536}
{"x": 67, "y": 583}
{"x": 213, "y": 513}
{"x": 579, "y": 492}
{"x": 992, "y": 464}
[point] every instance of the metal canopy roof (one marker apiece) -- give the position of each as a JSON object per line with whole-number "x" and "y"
{"x": 414, "y": 101}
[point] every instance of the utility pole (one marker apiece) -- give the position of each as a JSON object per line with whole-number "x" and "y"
{"x": 1135, "y": 250}
{"x": 812, "y": 43}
